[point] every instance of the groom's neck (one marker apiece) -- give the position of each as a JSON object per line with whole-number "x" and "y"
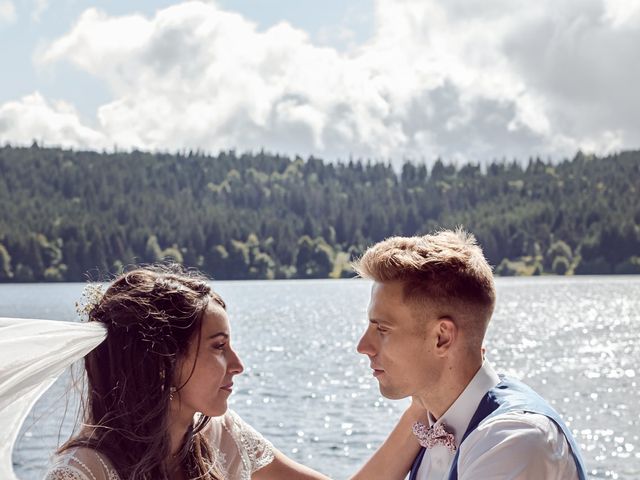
{"x": 454, "y": 378}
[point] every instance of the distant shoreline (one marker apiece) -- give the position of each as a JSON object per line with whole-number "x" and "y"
{"x": 285, "y": 280}
{"x": 265, "y": 216}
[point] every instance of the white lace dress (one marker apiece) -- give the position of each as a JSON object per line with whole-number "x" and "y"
{"x": 239, "y": 451}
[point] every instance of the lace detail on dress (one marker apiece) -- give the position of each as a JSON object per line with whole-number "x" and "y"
{"x": 238, "y": 450}
{"x": 259, "y": 451}
{"x": 66, "y": 472}
{"x": 64, "y": 469}
{"x": 111, "y": 474}
{"x": 220, "y": 463}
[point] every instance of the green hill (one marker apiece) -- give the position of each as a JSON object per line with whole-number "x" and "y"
{"x": 65, "y": 213}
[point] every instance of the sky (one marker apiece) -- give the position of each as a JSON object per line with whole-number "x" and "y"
{"x": 389, "y": 80}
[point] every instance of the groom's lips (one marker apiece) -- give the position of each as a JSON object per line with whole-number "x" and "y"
{"x": 228, "y": 387}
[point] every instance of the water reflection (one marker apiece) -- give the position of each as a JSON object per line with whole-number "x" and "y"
{"x": 575, "y": 340}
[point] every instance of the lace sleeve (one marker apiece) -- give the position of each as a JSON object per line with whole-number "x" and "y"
{"x": 66, "y": 472}
{"x": 81, "y": 464}
{"x": 239, "y": 449}
{"x": 259, "y": 450}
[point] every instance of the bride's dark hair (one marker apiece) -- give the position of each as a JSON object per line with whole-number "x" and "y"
{"x": 151, "y": 315}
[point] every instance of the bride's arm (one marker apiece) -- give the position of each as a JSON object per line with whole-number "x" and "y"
{"x": 392, "y": 461}
{"x": 264, "y": 461}
{"x": 284, "y": 467}
{"x": 395, "y": 456}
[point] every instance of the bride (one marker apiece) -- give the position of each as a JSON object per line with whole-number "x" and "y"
{"x": 157, "y": 391}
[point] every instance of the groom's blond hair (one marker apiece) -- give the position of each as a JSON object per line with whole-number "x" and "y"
{"x": 446, "y": 269}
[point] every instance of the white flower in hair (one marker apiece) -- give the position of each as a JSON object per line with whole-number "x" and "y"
{"x": 90, "y": 298}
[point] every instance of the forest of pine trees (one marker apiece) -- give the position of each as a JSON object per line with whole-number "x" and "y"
{"x": 69, "y": 215}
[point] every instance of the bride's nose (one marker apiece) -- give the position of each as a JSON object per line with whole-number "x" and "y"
{"x": 235, "y": 365}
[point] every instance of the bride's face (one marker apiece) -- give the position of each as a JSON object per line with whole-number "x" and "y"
{"x": 206, "y": 372}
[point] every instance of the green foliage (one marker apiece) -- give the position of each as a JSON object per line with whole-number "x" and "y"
{"x": 152, "y": 251}
{"x": 66, "y": 213}
{"x": 629, "y": 267}
{"x": 559, "y": 249}
{"x": 172, "y": 254}
{"x": 595, "y": 266}
{"x": 314, "y": 259}
{"x": 5, "y": 264}
{"x": 24, "y": 273}
{"x": 506, "y": 269}
{"x": 560, "y": 265}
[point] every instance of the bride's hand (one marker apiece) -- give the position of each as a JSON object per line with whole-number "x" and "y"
{"x": 393, "y": 459}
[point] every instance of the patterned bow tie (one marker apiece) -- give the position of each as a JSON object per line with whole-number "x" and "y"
{"x": 436, "y": 435}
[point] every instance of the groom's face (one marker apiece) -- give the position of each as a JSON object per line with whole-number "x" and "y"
{"x": 397, "y": 342}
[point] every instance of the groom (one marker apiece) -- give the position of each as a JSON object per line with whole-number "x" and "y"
{"x": 431, "y": 302}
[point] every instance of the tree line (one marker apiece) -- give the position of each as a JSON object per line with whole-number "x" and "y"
{"x": 66, "y": 214}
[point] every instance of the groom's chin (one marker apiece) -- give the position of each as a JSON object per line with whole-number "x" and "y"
{"x": 390, "y": 393}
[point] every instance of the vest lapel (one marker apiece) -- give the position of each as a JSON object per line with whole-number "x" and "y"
{"x": 511, "y": 395}
{"x": 416, "y": 464}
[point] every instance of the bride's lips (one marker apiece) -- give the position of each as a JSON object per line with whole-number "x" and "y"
{"x": 377, "y": 371}
{"x": 228, "y": 387}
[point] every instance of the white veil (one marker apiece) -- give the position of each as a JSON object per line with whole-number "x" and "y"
{"x": 33, "y": 353}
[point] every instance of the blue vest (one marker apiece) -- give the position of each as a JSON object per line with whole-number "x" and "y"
{"x": 509, "y": 396}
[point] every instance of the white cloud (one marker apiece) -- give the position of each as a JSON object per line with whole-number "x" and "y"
{"x": 7, "y": 12}
{"x": 39, "y": 8}
{"x": 456, "y": 79}
{"x": 521, "y": 77}
{"x": 33, "y": 118}
{"x": 195, "y": 75}
{"x": 622, "y": 12}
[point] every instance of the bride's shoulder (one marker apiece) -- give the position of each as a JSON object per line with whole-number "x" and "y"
{"x": 232, "y": 425}
{"x": 239, "y": 445}
{"x": 81, "y": 463}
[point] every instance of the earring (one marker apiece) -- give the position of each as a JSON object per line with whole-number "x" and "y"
{"x": 172, "y": 390}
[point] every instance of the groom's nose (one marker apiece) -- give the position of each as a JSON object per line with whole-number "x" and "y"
{"x": 365, "y": 346}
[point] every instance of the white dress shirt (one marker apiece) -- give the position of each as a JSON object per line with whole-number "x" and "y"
{"x": 516, "y": 445}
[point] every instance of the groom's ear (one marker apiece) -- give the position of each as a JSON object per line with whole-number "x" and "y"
{"x": 446, "y": 334}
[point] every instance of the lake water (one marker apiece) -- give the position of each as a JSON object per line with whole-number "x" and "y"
{"x": 574, "y": 339}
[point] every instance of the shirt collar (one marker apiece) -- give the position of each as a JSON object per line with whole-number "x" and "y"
{"x": 459, "y": 414}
